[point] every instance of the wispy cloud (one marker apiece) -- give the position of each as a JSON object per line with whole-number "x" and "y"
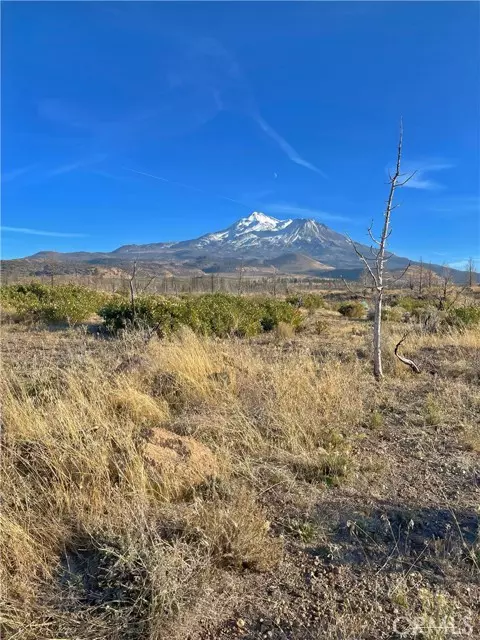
{"x": 289, "y": 209}
{"x": 203, "y": 79}
{"x": 456, "y": 205}
{"x": 185, "y": 186}
{"x": 64, "y": 168}
{"x": 40, "y": 232}
{"x": 421, "y": 180}
{"x": 214, "y": 81}
{"x": 463, "y": 263}
{"x": 73, "y": 166}
{"x": 285, "y": 146}
{"x": 107, "y": 174}
{"x": 16, "y": 173}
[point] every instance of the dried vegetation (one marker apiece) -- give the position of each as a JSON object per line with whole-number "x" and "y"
{"x": 197, "y": 487}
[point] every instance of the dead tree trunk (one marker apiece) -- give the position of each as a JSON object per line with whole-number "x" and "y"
{"x": 471, "y": 272}
{"x": 240, "y": 279}
{"x": 376, "y": 270}
{"x": 132, "y": 292}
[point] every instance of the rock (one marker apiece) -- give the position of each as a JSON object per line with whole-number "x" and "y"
{"x": 180, "y": 460}
{"x": 132, "y": 363}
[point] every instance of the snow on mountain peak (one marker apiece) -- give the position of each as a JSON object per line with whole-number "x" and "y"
{"x": 259, "y": 230}
{"x": 258, "y": 216}
{"x": 257, "y": 221}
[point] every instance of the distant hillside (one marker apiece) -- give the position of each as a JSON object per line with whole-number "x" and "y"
{"x": 299, "y": 263}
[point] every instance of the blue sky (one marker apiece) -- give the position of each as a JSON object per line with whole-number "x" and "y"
{"x": 143, "y": 122}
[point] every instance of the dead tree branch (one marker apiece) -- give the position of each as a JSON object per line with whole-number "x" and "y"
{"x": 402, "y": 274}
{"x": 402, "y": 184}
{"x": 406, "y": 361}
{"x": 143, "y": 289}
{"x": 350, "y": 290}
{"x": 364, "y": 260}
{"x": 370, "y": 233}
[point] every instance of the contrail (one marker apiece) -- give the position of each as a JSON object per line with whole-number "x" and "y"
{"x": 186, "y": 186}
{"x": 39, "y": 232}
{"x": 285, "y": 146}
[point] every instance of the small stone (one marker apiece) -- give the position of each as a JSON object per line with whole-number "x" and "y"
{"x": 240, "y": 623}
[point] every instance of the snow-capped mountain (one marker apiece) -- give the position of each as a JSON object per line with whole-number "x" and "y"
{"x": 259, "y": 240}
{"x": 243, "y": 233}
{"x": 260, "y": 230}
{"x": 246, "y": 232}
{"x": 259, "y": 235}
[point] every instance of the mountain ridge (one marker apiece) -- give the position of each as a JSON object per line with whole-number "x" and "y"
{"x": 295, "y": 245}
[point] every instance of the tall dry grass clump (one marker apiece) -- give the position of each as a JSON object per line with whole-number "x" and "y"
{"x": 260, "y": 402}
{"x": 265, "y": 411}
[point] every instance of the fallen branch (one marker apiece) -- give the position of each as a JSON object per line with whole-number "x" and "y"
{"x": 406, "y": 361}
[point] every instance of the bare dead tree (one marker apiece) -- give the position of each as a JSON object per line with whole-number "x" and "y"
{"x": 132, "y": 290}
{"x": 429, "y": 276}
{"x": 445, "y": 287}
{"x": 274, "y": 280}
{"x": 420, "y": 278}
{"x": 447, "y": 293}
{"x": 50, "y": 270}
{"x": 375, "y": 264}
{"x": 471, "y": 272}
{"x": 240, "y": 278}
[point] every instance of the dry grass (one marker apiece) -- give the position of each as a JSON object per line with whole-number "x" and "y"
{"x": 79, "y": 464}
{"x": 136, "y": 475}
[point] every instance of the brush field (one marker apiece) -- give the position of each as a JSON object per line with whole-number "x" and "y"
{"x": 227, "y": 467}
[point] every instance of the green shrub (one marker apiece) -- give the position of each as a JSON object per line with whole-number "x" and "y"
{"x": 308, "y": 301}
{"x": 393, "y": 314}
{"x": 217, "y": 314}
{"x": 435, "y": 320}
{"x": 46, "y": 303}
{"x": 466, "y": 316}
{"x": 412, "y": 305}
{"x": 275, "y": 311}
{"x": 352, "y": 310}
{"x": 220, "y": 314}
{"x": 150, "y": 310}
